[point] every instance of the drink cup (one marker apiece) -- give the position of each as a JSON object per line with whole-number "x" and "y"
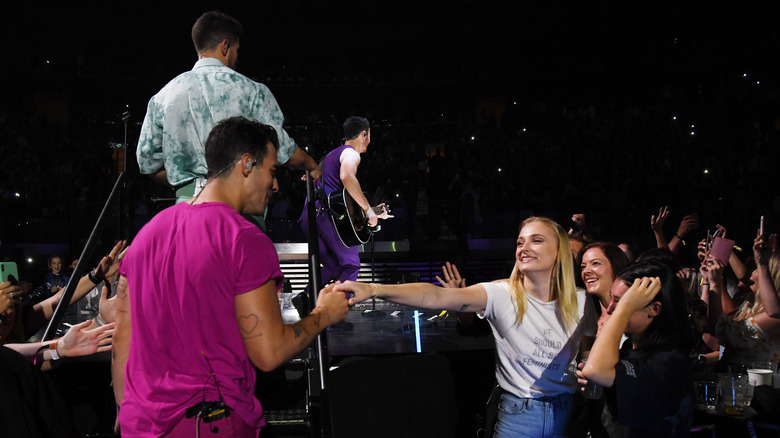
{"x": 734, "y": 392}
{"x": 706, "y": 394}
{"x": 761, "y": 376}
{"x": 763, "y": 366}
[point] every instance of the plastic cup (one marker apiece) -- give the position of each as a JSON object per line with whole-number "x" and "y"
{"x": 761, "y": 376}
{"x": 734, "y": 392}
{"x": 706, "y": 394}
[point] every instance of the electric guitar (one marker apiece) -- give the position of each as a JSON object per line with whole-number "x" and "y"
{"x": 350, "y": 220}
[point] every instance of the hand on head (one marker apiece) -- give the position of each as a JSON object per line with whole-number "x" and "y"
{"x": 640, "y": 294}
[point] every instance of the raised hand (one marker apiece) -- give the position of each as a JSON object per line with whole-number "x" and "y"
{"x": 688, "y": 223}
{"x": 106, "y": 306}
{"x": 8, "y": 293}
{"x": 701, "y": 250}
{"x": 452, "y": 277}
{"x": 80, "y": 342}
{"x": 712, "y": 270}
{"x": 109, "y": 264}
{"x": 761, "y": 251}
{"x": 657, "y": 223}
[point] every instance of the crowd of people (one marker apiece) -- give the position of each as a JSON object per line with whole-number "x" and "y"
{"x": 600, "y": 273}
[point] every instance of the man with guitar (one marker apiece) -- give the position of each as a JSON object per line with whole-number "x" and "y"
{"x": 339, "y": 172}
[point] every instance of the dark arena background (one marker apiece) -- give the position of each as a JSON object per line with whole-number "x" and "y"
{"x": 482, "y": 114}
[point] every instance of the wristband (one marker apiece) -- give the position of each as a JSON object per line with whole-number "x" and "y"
{"x": 38, "y": 358}
{"x": 705, "y": 284}
{"x": 99, "y": 322}
{"x": 55, "y": 355}
{"x": 93, "y": 278}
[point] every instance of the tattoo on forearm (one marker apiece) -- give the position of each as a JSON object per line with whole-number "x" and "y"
{"x": 463, "y": 308}
{"x": 121, "y": 288}
{"x": 317, "y": 317}
{"x": 248, "y": 325}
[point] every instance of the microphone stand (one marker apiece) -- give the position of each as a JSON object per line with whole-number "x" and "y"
{"x": 86, "y": 253}
{"x": 84, "y": 259}
{"x": 317, "y": 381}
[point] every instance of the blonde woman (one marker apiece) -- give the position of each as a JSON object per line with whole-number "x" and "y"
{"x": 753, "y": 333}
{"x": 537, "y": 318}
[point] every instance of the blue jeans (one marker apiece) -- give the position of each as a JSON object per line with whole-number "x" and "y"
{"x": 532, "y": 417}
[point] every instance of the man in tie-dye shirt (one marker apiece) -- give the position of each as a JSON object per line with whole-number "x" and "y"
{"x": 179, "y": 118}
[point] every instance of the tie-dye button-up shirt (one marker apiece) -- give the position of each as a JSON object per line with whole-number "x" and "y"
{"x": 179, "y": 118}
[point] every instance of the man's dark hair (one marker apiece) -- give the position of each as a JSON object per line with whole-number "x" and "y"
{"x": 353, "y": 126}
{"x": 212, "y": 27}
{"x": 234, "y": 137}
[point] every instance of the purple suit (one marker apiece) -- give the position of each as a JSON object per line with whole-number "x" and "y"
{"x": 338, "y": 261}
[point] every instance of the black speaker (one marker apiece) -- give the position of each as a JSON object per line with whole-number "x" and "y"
{"x": 395, "y": 396}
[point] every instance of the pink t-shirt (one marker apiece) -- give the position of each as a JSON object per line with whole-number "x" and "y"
{"x": 184, "y": 270}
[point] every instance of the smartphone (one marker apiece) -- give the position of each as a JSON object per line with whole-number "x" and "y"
{"x": 721, "y": 249}
{"x": 8, "y": 271}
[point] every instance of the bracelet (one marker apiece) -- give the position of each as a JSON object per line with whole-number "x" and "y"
{"x": 55, "y": 355}
{"x": 38, "y": 357}
{"x": 326, "y": 313}
{"x": 93, "y": 278}
{"x": 678, "y": 236}
{"x": 99, "y": 322}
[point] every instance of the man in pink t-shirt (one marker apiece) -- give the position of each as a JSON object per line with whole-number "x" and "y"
{"x": 199, "y": 287}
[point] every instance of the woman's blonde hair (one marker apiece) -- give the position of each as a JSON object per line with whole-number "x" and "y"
{"x": 561, "y": 278}
{"x": 748, "y": 310}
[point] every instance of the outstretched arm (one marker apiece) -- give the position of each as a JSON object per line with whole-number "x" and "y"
{"x": 424, "y": 295}
{"x": 268, "y": 341}
{"x": 77, "y": 342}
{"x": 452, "y": 279}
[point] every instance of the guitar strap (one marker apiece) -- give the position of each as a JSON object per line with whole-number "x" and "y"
{"x": 319, "y": 192}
